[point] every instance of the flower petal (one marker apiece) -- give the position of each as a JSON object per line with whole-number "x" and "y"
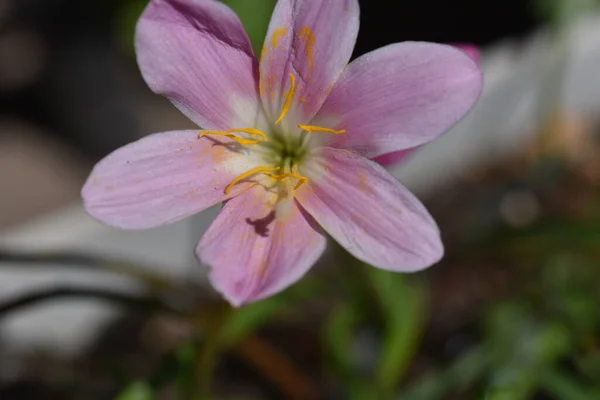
{"x": 368, "y": 212}
{"x": 399, "y": 97}
{"x": 162, "y": 178}
{"x": 394, "y": 158}
{"x": 197, "y": 53}
{"x": 389, "y": 159}
{"x": 255, "y": 251}
{"x": 313, "y": 40}
{"x": 470, "y": 49}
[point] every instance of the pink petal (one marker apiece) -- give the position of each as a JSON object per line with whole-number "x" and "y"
{"x": 471, "y": 50}
{"x": 255, "y": 251}
{"x": 162, "y": 178}
{"x": 393, "y": 158}
{"x": 313, "y": 40}
{"x": 368, "y": 212}
{"x": 389, "y": 159}
{"x": 197, "y": 53}
{"x": 399, "y": 97}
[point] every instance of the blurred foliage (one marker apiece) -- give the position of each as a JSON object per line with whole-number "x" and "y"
{"x": 130, "y": 11}
{"x": 136, "y": 391}
{"x": 255, "y": 16}
{"x": 403, "y": 312}
{"x": 561, "y": 12}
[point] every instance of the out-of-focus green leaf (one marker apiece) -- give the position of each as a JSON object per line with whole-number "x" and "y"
{"x": 563, "y": 387}
{"x": 521, "y": 346}
{"x": 136, "y": 391}
{"x": 572, "y": 291}
{"x": 469, "y": 367}
{"x": 183, "y": 370}
{"x": 403, "y": 307}
{"x": 561, "y": 12}
{"x": 255, "y": 15}
{"x": 339, "y": 336}
{"x": 589, "y": 365}
{"x": 516, "y": 336}
{"x": 126, "y": 19}
{"x": 246, "y": 320}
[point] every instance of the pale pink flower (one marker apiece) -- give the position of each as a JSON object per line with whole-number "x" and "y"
{"x": 287, "y": 141}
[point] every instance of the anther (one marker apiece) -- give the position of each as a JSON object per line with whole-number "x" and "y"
{"x": 247, "y": 174}
{"x": 229, "y": 134}
{"x": 301, "y": 178}
{"x": 250, "y": 131}
{"x": 240, "y": 140}
{"x": 310, "y": 128}
{"x": 288, "y": 99}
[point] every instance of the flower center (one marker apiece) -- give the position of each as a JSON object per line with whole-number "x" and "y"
{"x": 284, "y": 154}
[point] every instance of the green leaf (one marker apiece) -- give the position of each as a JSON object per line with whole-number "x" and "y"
{"x": 521, "y": 347}
{"x": 136, "y": 391}
{"x": 339, "y": 334}
{"x": 468, "y": 368}
{"x": 126, "y": 19}
{"x": 561, "y": 12}
{"x": 255, "y": 16}
{"x": 250, "y": 318}
{"x": 589, "y": 365}
{"x": 563, "y": 387}
{"x": 403, "y": 307}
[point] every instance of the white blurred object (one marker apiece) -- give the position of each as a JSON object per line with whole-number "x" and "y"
{"x": 500, "y": 124}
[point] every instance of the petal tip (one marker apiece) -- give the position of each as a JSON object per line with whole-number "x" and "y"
{"x": 231, "y": 293}
{"x": 225, "y": 284}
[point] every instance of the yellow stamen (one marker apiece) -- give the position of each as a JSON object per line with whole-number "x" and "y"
{"x": 240, "y": 140}
{"x": 245, "y": 175}
{"x": 288, "y": 99}
{"x": 229, "y": 133}
{"x": 301, "y": 178}
{"x": 309, "y": 128}
{"x": 250, "y": 131}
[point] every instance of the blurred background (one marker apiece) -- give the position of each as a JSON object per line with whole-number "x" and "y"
{"x": 512, "y": 312}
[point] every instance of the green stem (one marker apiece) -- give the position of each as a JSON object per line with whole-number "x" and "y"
{"x": 208, "y": 353}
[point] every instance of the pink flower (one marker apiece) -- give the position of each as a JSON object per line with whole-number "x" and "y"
{"x": 287, "y": 141}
